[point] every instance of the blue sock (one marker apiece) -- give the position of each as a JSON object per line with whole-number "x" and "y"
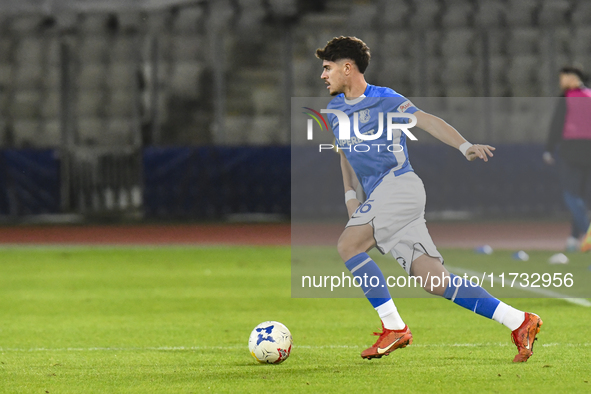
{"x": 470, "y": 296}
{"x": 373, "y": 283}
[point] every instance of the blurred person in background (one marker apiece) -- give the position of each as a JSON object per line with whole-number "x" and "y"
{"x": 570, "y": 132}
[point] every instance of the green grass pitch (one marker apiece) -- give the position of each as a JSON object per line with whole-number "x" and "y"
{"x": 177, "y": 320}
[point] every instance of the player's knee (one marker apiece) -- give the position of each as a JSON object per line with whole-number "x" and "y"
{"x": 345, "y": 249}
{"x": 348, "y": 247}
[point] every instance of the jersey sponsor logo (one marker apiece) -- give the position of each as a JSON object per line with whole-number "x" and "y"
{"x": 404, "y": 106}
{"x": 364, "y": 116}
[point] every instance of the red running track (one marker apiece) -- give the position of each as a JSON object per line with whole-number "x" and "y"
{"x": 508, "y": 235}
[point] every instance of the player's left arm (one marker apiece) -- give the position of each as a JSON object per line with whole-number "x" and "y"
{"x": 444, "y": 132}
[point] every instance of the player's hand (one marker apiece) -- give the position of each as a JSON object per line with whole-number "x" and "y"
{"x": 548, "y": 159}
{"x": 477, "y": 151}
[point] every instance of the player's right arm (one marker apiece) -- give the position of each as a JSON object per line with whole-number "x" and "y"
{"x": 350, "y": 182}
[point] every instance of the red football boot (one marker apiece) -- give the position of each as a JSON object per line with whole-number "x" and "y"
{"x": 525, "y": 336}
{"x": 388, "y": 341}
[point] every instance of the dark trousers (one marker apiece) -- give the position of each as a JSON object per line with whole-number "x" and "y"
{"x": 574, "y": 179}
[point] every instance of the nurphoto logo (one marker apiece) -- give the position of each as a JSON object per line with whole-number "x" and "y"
{"x": 394, "y": 121}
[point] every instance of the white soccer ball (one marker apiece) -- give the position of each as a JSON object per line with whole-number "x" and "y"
{"x": 270, "y": 342}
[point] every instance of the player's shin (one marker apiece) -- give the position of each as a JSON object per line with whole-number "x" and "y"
{"x": 473, "y": 297}
{"x": 367, "y": 274}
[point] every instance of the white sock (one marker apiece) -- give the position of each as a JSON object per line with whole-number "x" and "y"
{"x": 508, "y": 316}
{"x": 389, "y": 315}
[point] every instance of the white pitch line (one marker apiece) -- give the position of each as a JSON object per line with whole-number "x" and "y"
{"x": 237, "y": 347}
{"x": 543, "y": 292}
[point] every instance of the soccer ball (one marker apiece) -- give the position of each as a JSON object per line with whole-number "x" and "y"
{"x": 270, "y": 342}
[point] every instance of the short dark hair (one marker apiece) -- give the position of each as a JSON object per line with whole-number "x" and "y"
{"x": 346, "y": 48}
{"x": 576, "y": 70}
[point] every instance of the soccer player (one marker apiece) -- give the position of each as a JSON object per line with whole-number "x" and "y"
{"x": 392, "y": 217}
{"x": 571, "y": 129}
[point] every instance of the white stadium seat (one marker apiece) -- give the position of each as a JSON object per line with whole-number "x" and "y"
{"x": 490, "y": 13}
{"x": 458, "y": 42}
{"x": 51, "y": 105}
{"x": 89, "y": 103}
{"x": 26, "y": 104}
{"x": 457, "y": 13}
{"x": 524, "y": 40}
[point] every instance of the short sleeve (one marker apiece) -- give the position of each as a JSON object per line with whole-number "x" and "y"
{"x": 407, "y": 106}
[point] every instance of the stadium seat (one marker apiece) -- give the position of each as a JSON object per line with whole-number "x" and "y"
{"x": 26, "y": 104}
{"x": 29, "y": 76}
{"x": 118, "y": 132}
{"x": 6, "y": 75}
{"x": 121, "y": 75}
{"x": 24, "y": 24}
{"x": 554, "y": 12}
{"x": 185, "y": 78}
{"x": 462, "y": 113}
{"x": 460, "y": 90}
{"x": 120, "y": 103}
{"x": 395, "y": 71}
{"x": 458, "y": 42}
{"x": 581, "y": 15}
{"x": 582, "y": 42}
{"x": 563, "y": 40}
{"x": 6, "y": 45}
{"x": 266, "y": 130}
{"x": 91, "y": 75}
{"x": 51, "y": 134}
{"x": 29, "y": 50}
{"x": 189, "y": 20}
{"x": 523, "y": 70}
{"x": 26, "y": 133}
{"x": 457, "y": 70}
{"x": 189, "y": 48}
{"x": 51, "y": 48}
{"x": 124, "y": 48}
{"x": 521, "y": 12}
{"x": 490, "y": 13}
{"x": 306, "y": 71}
{"x": 394, "y": 44}
{"x": 497, "y": 41}
{"x": 267, "y": 100}
{"x": 51, "y": 77}
{"x": 394, "y": 13}
{"x": 362, "y": 15}
{"x": 89, "y": 131}
{"x": 284, "y": 8}
{"x": 458, "y": 13}
{"x": 498, "y": 68}
{"x": 129, "y": 21}
{"x": 93, "y": 49}
{"x": 524, "y": 121}
{"x": 433, "y": 40}
{"x": 93, "y": 23}
{"x": 51, "y": 105}
{"x": 157, "y": 22}
{"x": 90, "y": 103}
{"x": 434, "y": 67}
{"x": 524, "y": 40}
{"x": 236, "y": 129}
{"x": 251, "y": 14}
{"x": 425, "y": 15}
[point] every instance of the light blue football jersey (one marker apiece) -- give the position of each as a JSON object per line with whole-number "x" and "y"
{"x": 372, "y": 165}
